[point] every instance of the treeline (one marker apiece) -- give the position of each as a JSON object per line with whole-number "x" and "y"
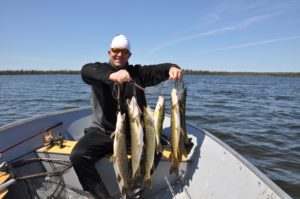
{"x": 185, "y": 71}
{"x": 38, "y": 72}
{"x": 279, "y": 74}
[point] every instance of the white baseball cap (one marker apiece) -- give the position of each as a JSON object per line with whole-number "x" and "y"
{"x": 120, "y": 41}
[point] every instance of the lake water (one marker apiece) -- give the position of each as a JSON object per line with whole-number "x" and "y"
{"x": 257, "y": 116}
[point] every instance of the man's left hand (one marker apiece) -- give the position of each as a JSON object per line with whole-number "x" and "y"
{"x": 175, "y": 73}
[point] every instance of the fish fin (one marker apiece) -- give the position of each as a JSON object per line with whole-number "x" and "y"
{"x": 148, "y": 180}
{"x": 112, "y": 135}
{"x": 112, "y": 158}
{"x": 119, "y": 178}
{"x": 123, "y": 116}
{"x": 159, "y": 148}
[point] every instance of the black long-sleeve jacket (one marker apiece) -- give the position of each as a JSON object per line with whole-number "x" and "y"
{"x": 103, "y": 101}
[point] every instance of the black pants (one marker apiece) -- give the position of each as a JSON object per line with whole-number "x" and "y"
{"x": 94, "y": 145}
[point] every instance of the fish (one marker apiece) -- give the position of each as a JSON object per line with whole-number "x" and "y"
{"x": 175, "y": 156}
{"x": 137, "y": 135}
{"x": 158, "y": 118}
{"x": 119, "y": 157}
{"x": 149, "y": 145}
{"x": 183, "y": 132}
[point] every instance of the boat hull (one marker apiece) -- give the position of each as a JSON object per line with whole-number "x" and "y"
{"x": 213, "y": 169}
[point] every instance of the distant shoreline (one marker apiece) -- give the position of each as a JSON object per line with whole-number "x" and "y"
{"x": 186, "y": 72}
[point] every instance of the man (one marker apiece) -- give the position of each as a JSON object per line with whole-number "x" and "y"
{"x": 96, "y": 142}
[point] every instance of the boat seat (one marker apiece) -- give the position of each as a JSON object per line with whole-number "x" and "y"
{"x": 3, "y": 177}
{"x": 66, "y": 149}
{"x": 68, "y": 146}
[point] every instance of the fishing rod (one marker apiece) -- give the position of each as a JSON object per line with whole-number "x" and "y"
{"x": 36, "y": 134}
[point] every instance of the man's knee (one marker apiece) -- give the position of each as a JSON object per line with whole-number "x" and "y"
{"x": 77, "y": 157}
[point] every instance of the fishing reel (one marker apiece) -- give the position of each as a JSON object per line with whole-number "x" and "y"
{"x": 50, "y": 140}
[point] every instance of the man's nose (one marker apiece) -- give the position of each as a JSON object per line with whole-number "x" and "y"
{"x": 120, "y": 53}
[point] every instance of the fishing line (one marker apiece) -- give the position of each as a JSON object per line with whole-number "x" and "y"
{"x": 157, "y": 89}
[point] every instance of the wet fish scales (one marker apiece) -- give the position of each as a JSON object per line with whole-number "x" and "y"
{"x": 137, "y": 134}
{"x": 175, "y": 133}
{"x": 159, "y": 115}
{"x": 149, "y": 144}
{"x": 119, "y": 157}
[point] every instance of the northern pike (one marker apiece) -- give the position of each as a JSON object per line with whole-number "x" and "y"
{"x": 149, "y": 144}
{"x": 158, "y": 119}
{"x": 175, "y": 133}
{"x": 183, "y": 133}
{"x": 119, "y": 157}
{"x": 137, "y": 135}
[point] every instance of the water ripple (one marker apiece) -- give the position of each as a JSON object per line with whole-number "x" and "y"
{"x": 257, "y": 116}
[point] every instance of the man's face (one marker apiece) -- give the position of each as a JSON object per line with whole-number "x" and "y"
{"x": 119, "y": 56}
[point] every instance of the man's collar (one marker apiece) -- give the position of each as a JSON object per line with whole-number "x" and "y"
{"x": 118, "y": 68}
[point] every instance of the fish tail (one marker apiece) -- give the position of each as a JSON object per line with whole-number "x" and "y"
{"x": 174, "y": 169}
{"x": 147, "y": 180}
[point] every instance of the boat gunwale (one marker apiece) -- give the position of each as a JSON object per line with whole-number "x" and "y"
{"x": 37, "y": 117}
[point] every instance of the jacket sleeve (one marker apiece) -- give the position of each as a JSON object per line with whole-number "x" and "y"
{"x": 96, "y": 72}
{"x": 154, "y": 74}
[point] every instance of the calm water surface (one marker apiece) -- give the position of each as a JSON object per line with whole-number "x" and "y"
{"x": 257, "y": 116}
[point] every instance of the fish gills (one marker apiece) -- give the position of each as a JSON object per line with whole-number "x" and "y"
{"x": 149, "y": 145}
{"x": 159, "y": 116}
{"x": 119, "y": 157}
{"x": 137, "y": 135}
{"x": 175, "y": 132}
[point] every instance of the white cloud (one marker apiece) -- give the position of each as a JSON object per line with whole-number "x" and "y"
{"x": 256, "y": 43}
{"x": 243, "y": 24}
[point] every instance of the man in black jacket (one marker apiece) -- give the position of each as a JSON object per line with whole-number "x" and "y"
{"x": 102, "y": 77}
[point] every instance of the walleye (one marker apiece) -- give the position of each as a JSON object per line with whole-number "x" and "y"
{"x": 175, "y": 132}
{"x": 149, "y": 144}
{"x": 119, "y": 157}
{"x": 158, "y": 119}
{"x": 137, "y": 135}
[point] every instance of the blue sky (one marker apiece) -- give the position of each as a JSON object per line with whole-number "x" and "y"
{"x": 216, "y": 35}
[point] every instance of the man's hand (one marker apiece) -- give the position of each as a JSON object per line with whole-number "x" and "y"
{"x": 175, "y": 73}
{"x": 120, "y": 76}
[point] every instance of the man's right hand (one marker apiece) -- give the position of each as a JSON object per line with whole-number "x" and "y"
{"x": 120, "y": 76}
